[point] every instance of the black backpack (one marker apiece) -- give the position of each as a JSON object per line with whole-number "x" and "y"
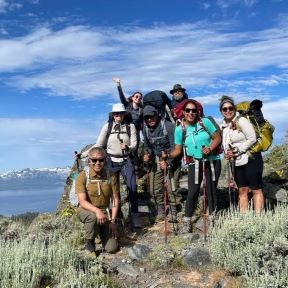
{"x": 160, "y": 101}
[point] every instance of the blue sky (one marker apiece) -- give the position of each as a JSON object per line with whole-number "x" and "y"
{"x": 57, "y": 60}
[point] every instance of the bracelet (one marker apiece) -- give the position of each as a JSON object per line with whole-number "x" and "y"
{"x": 113, "y": 221}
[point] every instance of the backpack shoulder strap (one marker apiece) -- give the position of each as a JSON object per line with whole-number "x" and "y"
{"x": 109, "y": 129}
{"x": 236, "y": 121}
{"x": 88, "y": 180}
{"x": 87, "y": 176}
{"x": 108, "y": 175}
{"x": 184, "y": 131}
{"x": 164, "y": 128}
{"x": 128, "y": 129}
{"x": 200, "y": 121}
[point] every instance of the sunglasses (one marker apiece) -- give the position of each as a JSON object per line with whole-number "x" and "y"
{"x": 149, "y": 117}
{"x": 118, "y": 113}
{"x": 188, "y": 110}
{"x": 95, "y": 160}
{"x": 230, "y": 108}
{"x": 177, "y": 91}
{"x": 137, "y": 96}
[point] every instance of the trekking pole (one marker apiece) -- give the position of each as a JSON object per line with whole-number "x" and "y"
{"x": 232, "y": 163}
{"x": 229, "y": 182}
{"x": 165, "y": 174}
{"x": 77, "y": 160}
{"x": 170, "y": 187}
{"x": 147, "y": 169}
{"x": 204, "y": 198}
{"x": 125, "y": 180}
{"x": 165, "y": 206}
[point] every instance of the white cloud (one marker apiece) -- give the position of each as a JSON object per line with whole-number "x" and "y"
{"x": 224, "y": 4}
{"x": 3, "y": 5}
{"x": 276, "y": 113}
{"x": 8, "y": 5}
{"x": 80, "y": 62}
{"x": 68, "y": 60}
{"x": 3, "y": 31}
{"x": 40, "y": 142}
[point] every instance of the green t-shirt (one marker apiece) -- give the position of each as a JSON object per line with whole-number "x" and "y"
{"x": 196, "y": 138}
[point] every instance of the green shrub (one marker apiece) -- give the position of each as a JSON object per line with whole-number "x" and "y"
{"x": 255, "y": 247}
{"x": 49, "y": 263}
{"x": 25, "y": 218}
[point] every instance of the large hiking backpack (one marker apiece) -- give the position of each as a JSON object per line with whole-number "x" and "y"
{"x": 263, "y": 129}
{"x": 161, "y": 102}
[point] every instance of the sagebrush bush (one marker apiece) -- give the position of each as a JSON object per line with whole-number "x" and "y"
{"x": 255, "y": 247}
{"x": 49, "y": 263}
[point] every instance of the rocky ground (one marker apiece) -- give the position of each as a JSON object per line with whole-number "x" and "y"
{"x": 149, "y": 257}
{"x": 147, "y": 260}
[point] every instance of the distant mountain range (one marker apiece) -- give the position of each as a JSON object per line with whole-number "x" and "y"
{"x": 33, "y": 178}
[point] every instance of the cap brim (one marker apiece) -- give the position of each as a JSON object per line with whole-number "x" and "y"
{"x": 182, "y": 89}
{"x": 149, "y": 114}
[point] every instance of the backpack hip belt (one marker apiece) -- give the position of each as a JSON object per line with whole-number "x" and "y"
{"x": 125, "y": 156}
{"x": 196, "y": 162}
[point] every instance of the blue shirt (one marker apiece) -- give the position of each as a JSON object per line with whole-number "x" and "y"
{"x": 196, "y": 137}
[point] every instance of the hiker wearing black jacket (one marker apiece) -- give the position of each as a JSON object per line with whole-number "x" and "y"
{"x": 158, "y": 137}
{"x": 132, "y": 104}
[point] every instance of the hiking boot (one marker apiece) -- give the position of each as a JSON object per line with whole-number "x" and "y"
{"x": 135, "y": 220}
{"x": 186, "y": 226}
{"x": 172, "y": 216}
{"x": 90, "y": 245}
{"x": 160, "y": 213}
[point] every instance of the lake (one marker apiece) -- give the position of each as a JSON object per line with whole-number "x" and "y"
{"x": 14, "y": 202}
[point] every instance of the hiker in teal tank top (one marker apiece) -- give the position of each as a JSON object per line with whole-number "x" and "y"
{"x": 196, "y": 137}
{"x": 199, "y": 139}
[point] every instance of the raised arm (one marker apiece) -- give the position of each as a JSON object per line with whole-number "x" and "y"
{"x": 120, "y": 92}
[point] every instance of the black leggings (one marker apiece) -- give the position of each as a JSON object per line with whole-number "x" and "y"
{"x": 194, "y": 189}
{"x": 126, "y": 168}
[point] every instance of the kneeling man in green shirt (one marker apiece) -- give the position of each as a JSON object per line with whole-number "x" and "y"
{"x": 98, "y": 195}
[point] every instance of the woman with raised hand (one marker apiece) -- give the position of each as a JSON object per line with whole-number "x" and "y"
{"x": 132, "y": 104}
{"x": 200, "y": 138}
{"x": 238, "y": 137}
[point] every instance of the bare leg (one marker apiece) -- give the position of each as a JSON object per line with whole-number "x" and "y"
{"x": 258, "y": 200}
{"x": 243, "y": 199}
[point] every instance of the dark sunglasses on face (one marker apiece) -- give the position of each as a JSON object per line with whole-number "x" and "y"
{"x": 188, "y": 110}
{"x": 230, "y": 108}
{"x": 149, "y": 117}
{"x": 95, "y": 160}
{"x": 118, "y": 113}
{"x": 177, "y": 91}
{"x": 137, "y": 96}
